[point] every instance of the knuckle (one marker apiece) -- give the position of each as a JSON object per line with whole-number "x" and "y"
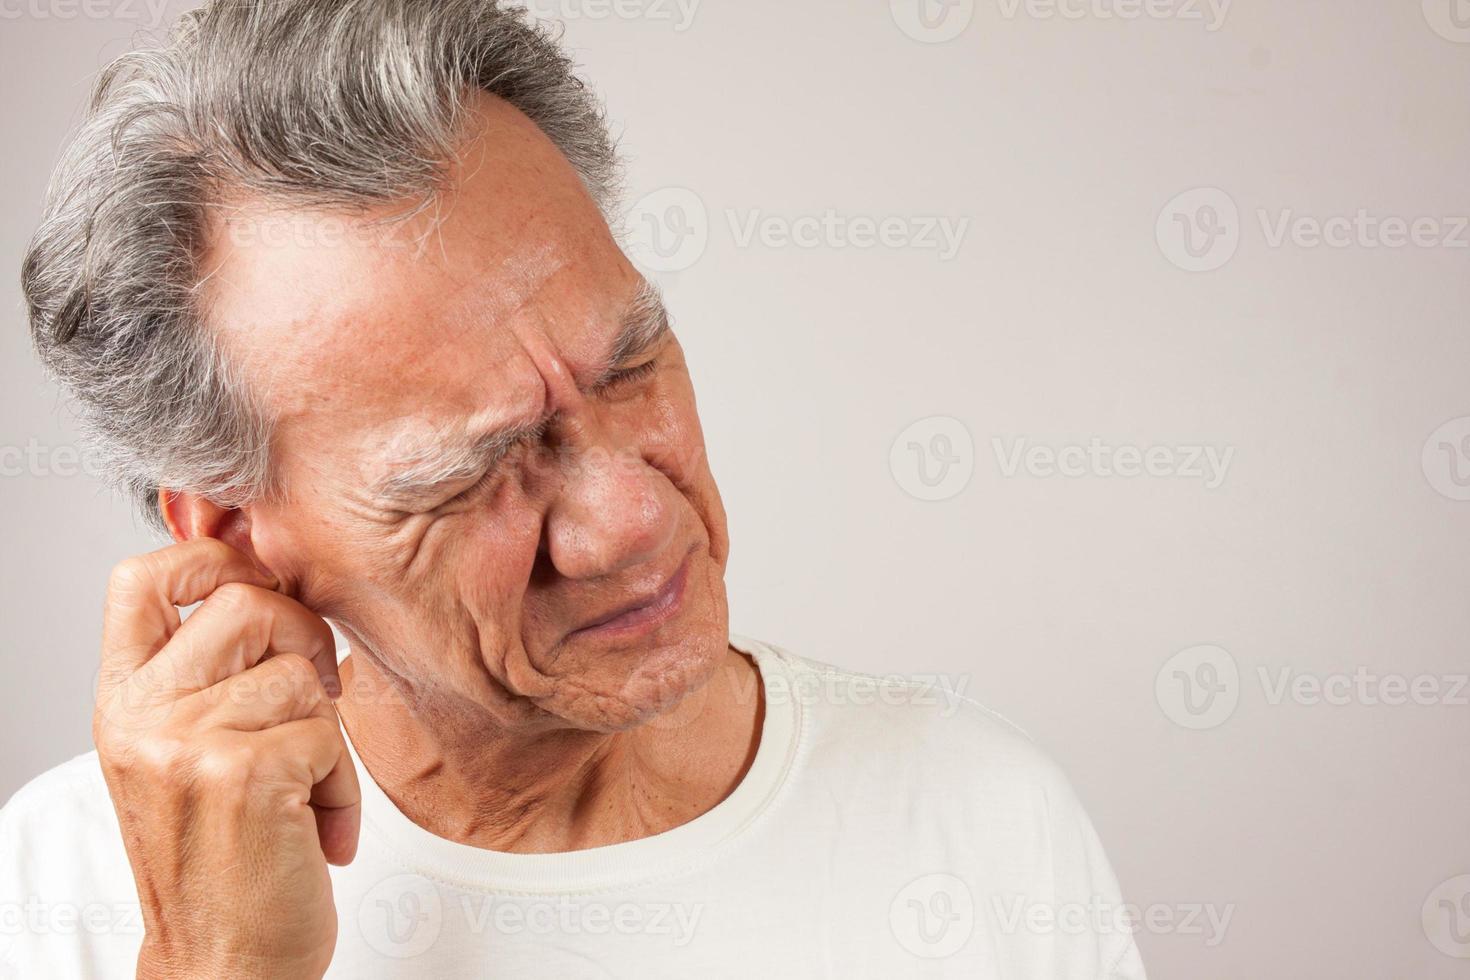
{"x": 229, "y": 767}
{"x": 104, "y": 736}
{"x": 298, "y": 671}
{"x": 156, "y": 757}
{"x": 236, "y": 597}
{"x": 130, "y": 576}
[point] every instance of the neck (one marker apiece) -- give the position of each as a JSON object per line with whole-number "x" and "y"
{"x": 561, "y": 790}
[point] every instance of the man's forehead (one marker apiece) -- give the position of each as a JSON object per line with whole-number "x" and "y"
{"x": 325, "y": 304}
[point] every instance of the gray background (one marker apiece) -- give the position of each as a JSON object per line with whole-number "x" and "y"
{"x": 1333, "y": 545}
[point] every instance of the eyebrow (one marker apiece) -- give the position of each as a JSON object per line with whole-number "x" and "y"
{"x": 644, "y": 323}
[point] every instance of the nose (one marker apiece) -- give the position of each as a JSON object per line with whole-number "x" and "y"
{"x": 612, "y": 513}
{"x": 611, "y": 509}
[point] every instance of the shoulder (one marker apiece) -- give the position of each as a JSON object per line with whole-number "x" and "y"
{"x": 946, "y": 783}
{"x": 920, "y": 722}
{"x": 60, "y": 801}
{"x": 65, "y": 884}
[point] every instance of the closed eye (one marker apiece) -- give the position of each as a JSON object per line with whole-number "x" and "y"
{"x": 627, "y": 376}
{"x": 493, "y": 461}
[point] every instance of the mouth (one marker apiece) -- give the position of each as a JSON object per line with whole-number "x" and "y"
{"x": 644, "y": 615}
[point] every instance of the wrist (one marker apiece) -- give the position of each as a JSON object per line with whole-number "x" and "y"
{"x": 155, "y": 962}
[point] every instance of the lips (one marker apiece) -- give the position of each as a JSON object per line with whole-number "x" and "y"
{"x": 642, "y": 615}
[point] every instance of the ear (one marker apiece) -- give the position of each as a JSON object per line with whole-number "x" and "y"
{"x": 189, "y": 516}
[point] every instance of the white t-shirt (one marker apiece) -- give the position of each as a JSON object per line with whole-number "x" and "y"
{"x": 885, "y": 829}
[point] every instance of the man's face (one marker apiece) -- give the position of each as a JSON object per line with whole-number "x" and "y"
{"x": 494, "y": 475}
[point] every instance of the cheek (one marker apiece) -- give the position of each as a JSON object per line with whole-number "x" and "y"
{"x": 671, "y": 438}
{"x": 674, "y": 444}
{"x": 492, "y": 555}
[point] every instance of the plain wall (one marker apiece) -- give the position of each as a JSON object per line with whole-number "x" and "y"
{"x": 1072, "y": 314}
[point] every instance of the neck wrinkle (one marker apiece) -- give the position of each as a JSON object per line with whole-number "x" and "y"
{"x": 563, "y": 790}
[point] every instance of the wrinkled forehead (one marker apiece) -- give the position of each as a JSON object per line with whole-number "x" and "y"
{"x": 374, "y": 327}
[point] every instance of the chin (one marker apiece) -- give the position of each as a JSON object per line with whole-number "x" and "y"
{"x": 619, "y": 686}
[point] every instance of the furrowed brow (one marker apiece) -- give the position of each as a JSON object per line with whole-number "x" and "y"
{"x": 430, "y": 469}
{"x": 426, "y": 471}
{"x": 645, "y": 322}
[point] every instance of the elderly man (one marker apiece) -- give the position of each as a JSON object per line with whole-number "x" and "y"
{"x": 331, "y": 282}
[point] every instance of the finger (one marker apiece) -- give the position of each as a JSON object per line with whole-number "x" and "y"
{"x": 316, "y": 745}
{"x": 231, "y": 632}
{"x": 278, "y": 690}
{"x": 143, "y": 592}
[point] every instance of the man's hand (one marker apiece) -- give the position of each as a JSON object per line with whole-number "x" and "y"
{"x": 226, "y": 764}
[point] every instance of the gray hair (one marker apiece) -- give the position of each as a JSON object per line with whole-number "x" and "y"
{"x": 318, "y": 103}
